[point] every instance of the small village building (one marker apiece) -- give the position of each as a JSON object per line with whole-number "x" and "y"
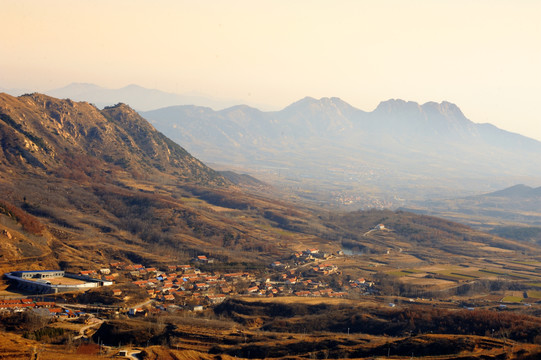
{"x": 87, "y": 272}
{"x": 40, "y": 274}
{"x": 252, "y": 289}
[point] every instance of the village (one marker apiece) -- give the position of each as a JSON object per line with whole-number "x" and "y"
{"x": 186, "y": 287}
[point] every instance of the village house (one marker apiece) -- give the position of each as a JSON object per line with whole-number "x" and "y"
{"x": 108, "y": 278}
{"x": 291, "y": 281}
{"x": 169, "y": 297}
{"x": 202, "y": 286}
{"x": 87, "y": 272}
{"x": 326, "y": 292}
{"x": 325, "y": 269}
{"x": 203, "y": 259}
{"x": 337, "y": 294}
{"x": 137, "y": 312}
{"x": 19, "y": 305}
{"x": 252, "y": 289}
{"x": 225, "y": 289}
{"x": 278, "y": 265}
{"x": 140, "y": 283}
{"x": 184, "y": 268}
{"x": 233, "y": 275}
{"x": 56, "y": 311}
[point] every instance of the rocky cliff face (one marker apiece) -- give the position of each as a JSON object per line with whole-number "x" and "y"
{"x": 42, "y": 134}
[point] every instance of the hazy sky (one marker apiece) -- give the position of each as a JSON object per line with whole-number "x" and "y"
{"x": 484, "y": 56}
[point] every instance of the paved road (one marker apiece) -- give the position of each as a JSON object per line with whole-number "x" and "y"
{"x": 95, "y": 323}
{"x": 135, "y": 354}
{"x": 143, "y": 304}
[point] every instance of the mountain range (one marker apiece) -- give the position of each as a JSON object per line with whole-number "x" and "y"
{"x": 401, "y": 148}
{"x": 333, "y": 153}
{"x": 82, "y": 186}
{"x": 136, "y": 96}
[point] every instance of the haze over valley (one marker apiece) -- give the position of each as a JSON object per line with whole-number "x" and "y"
{"x": 270, "y": 180}
{"x": 330, "y": 152}
{"x": 334, "y": 154}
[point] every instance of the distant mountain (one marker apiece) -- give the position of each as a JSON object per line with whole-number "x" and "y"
{"x": 515, "y": 205}
{"x": 13, "y": 92}
{"x": 135, "y": 96}
{"x": 518, "y": 192}
{"x": 400, "y": 145}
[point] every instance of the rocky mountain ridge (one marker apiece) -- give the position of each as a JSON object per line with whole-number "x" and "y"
{"x": 398, "y": 145}
{"x": 41, "y": 134}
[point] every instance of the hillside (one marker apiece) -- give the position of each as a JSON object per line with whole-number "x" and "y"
{"x": 107, "y": 185}
{"x": 398, "y": 152}
{"x": 104, "y": 184}
{"x": 41, "y": 134}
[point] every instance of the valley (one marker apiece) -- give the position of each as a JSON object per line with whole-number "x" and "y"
{"x": 208, "y": 264}
{"x": 330, "y": 153}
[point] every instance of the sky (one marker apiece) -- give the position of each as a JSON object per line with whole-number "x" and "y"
{"x": 484, "y": 56}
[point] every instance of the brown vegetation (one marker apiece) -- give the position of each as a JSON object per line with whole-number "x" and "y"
{"x": 27, "y": 221}
{"x": 299, "y": 318}
{"x": 108, "y": 187}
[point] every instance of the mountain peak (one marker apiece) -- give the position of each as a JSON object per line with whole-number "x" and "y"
{"x": 442, "y": 114}
{"x": 41, "y": 133}
{"x": 444, "y": 108}
{"x": 319, "y": 104}
{"x": 243, "y": 107}
{"x": 517, "y": 191}
{"x": 393, "y": 105}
